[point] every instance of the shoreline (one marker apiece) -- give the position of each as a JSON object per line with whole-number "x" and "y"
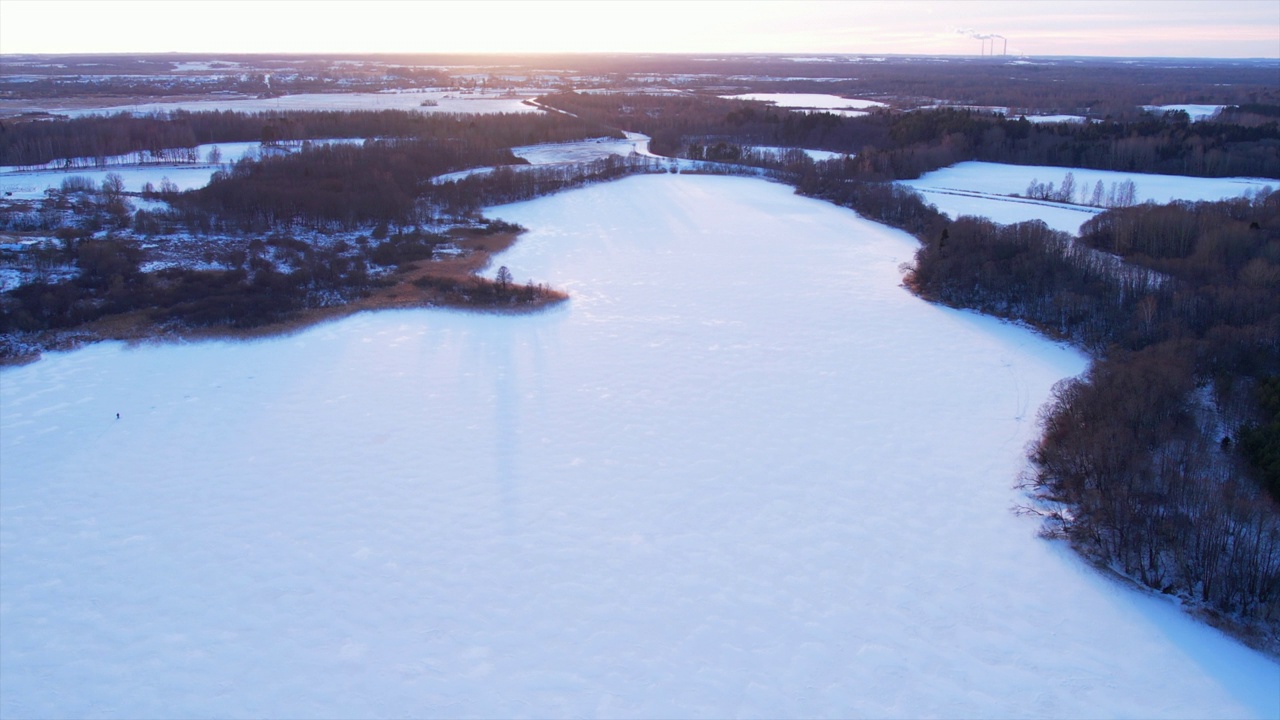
{"x": 449, "y": 282}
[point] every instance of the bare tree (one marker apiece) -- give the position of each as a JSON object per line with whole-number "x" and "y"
{"x": 1067, "y": 192}
{"x": 1098, "y": 193}
{"x": 113, "y": 185}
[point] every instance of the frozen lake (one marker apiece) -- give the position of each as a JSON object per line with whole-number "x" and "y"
{"x": 742, "y": 473}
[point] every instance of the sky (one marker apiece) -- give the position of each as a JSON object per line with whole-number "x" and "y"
{"x": 1116, "y": 28}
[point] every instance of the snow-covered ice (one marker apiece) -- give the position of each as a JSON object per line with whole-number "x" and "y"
{"x": 742, "y": 473}
{"x": 983, "y": 188}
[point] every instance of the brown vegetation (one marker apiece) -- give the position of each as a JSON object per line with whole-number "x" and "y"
{"x": 440, "y": 281}
{"x": 453, "y": 281}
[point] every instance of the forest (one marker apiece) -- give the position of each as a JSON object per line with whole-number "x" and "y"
{"x": 95, "y": 137}
{"x": 902, "y": 146}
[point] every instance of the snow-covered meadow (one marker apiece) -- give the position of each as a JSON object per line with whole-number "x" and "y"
{"x": 1196, "y": 112}
{"x": 1041, "y": 119}
{"x": 987, "y": 189}
{"x": 453, "y": 101}
{"x": 741, "y": 473}
{"x": 565, "y": 153}
{"x": 582, "y": 150}
{"x": 814, "y": 155}
{"x": 810, "y": 101}
{"x": 30, "y": 183}
{"x": 813, "y": 101}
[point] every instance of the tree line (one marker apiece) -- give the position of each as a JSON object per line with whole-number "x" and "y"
{"x": 36, "y": 142}
{"x": 387, "y": 182}
{"x": 901, "y": 146}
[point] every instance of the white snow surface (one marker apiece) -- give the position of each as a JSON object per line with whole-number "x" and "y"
{"x": 21, "y": 182}
{"x": 742, "y": 473}
{"x": 809, "y": 101}
{"x": 983, "y": 188}
{"x": 1197, "y": 112}
{"x": 845, "y": 113}
{"x": 231, "y": 151}
{"x": 453, "y": 101}
{"x": 1054, "y": 118}
{"x": 31, "y": 185}
{"x": 582, "y": 150}
{"x": 814, "y": 155}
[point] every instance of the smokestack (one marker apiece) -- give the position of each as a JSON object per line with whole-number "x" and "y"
{"x": 983, "y": 38}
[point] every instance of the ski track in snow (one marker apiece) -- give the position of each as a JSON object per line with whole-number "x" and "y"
{"x": 741, "y": 473}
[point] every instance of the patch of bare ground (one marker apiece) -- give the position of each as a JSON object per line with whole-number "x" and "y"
{"x": 448, "y": 281}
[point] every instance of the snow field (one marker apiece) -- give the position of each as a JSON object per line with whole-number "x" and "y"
{"x": 814, "y": 155}
{"x": 30, "y": 184}
{"x": 1054, "y": 118}
{"x": 983, "y": 188}
{"x": 446, "y": 101}
{"x": 581, "y": 151}
{"x": 1197, "y": 112}
{"x": 809, "y": 101}
{"x": 741, "y": 473}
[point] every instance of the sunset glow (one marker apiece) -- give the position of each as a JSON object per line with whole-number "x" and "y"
{"x": 1176, "y": 28}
